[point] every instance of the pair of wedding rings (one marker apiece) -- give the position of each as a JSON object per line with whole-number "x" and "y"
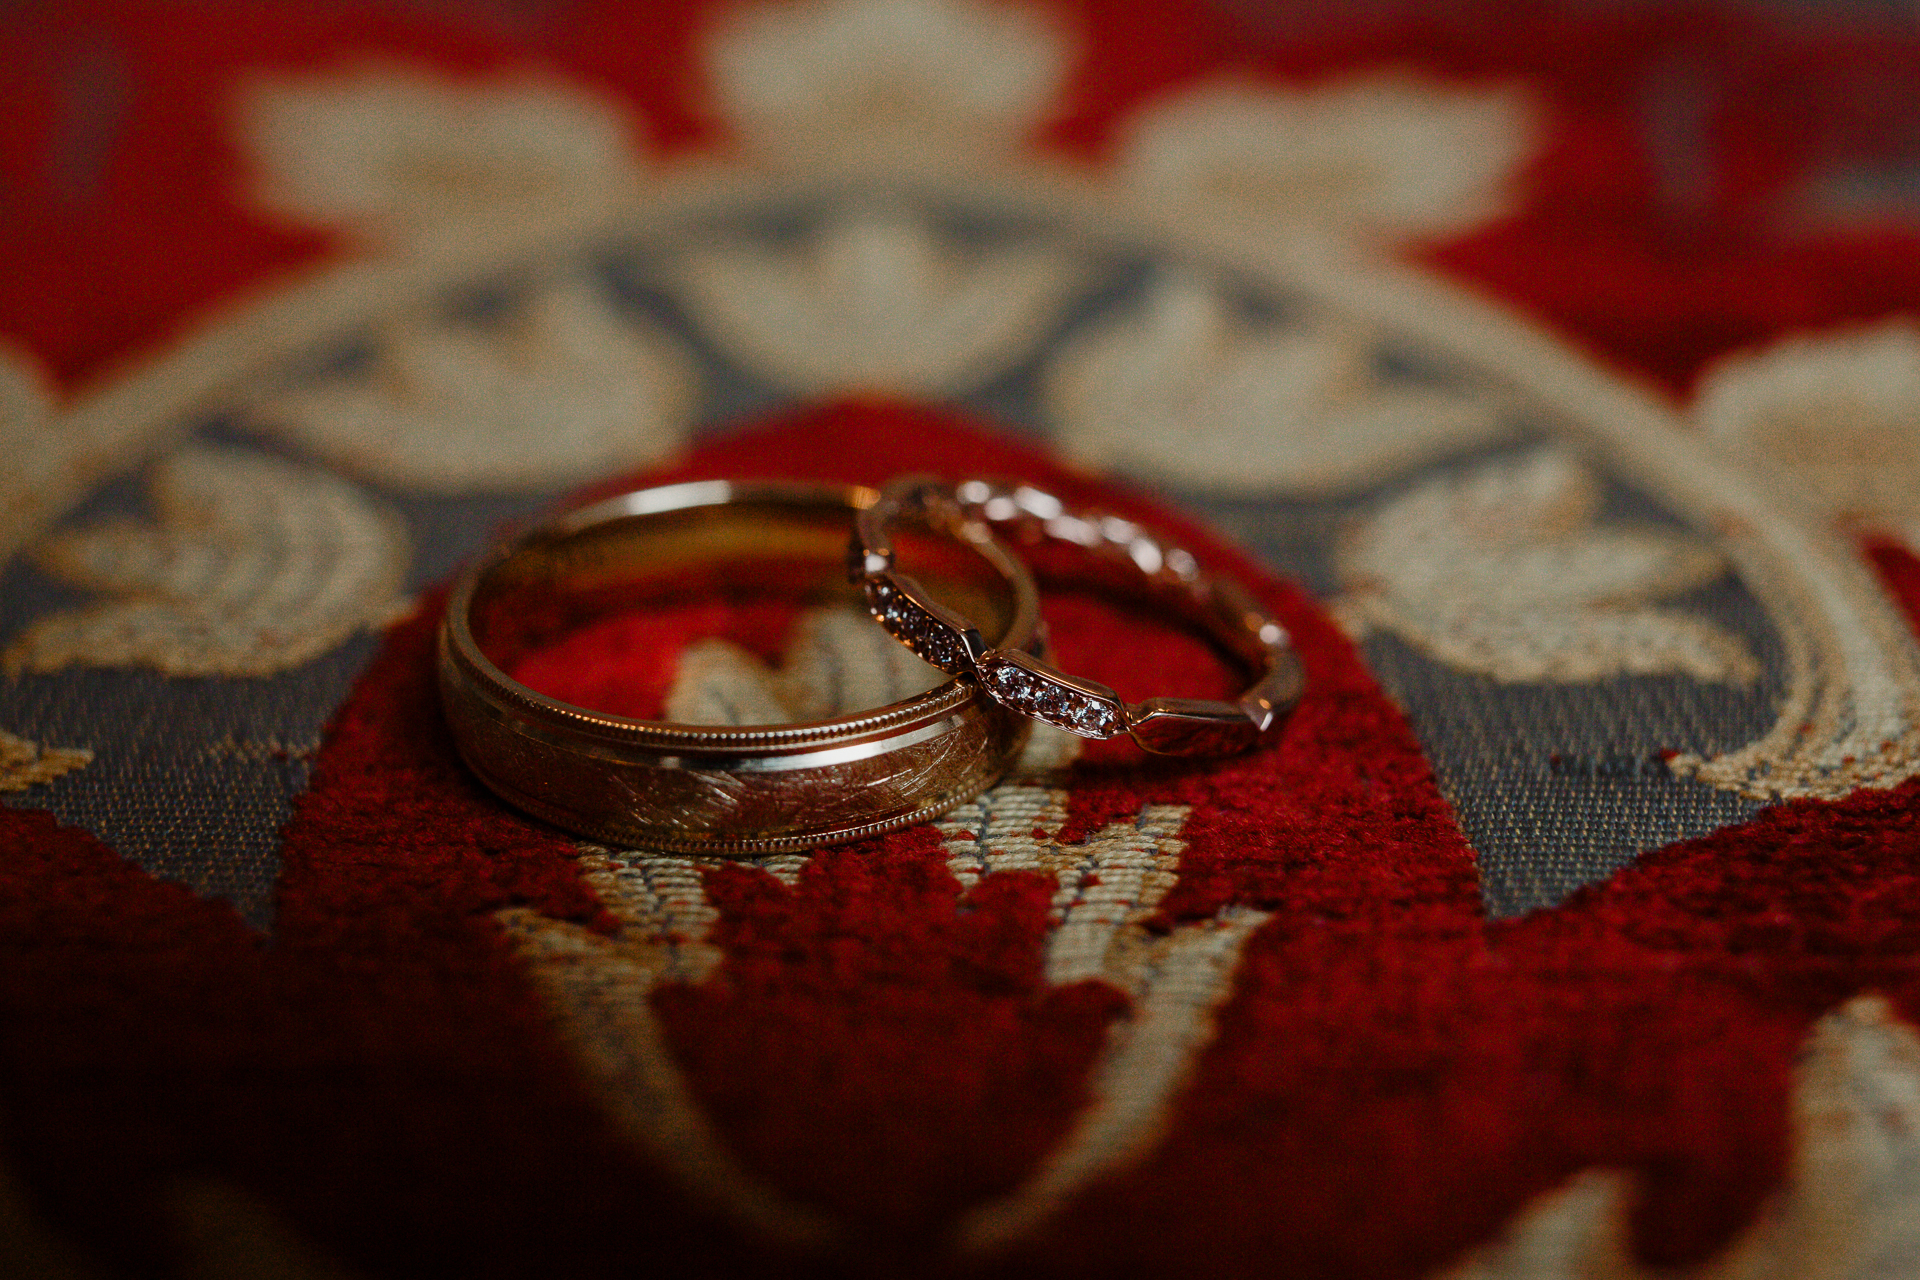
{"x": 971, "y": 610}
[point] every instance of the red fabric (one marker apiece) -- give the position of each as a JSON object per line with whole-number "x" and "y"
{"x": 134, "y": 224}
{"x": 1899, "y": 570}
{"x": 1393, "y": 1080}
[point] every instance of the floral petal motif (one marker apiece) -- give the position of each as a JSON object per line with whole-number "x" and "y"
{"x": 1394, "y": 156}
{"x": 391, "y": 151}
{"x": 1184, "y": 392}
{"x": 804, "y": 81}
{"x": 562, "y": 389}
{"x": 33, "y": 452}
{"x": 256, "y": 565}
{"x": 875, "y": 301}
{"x": 1852, "y": 1199}
{"x": 1839, "y": 413}
{"x": 1109, "y": 886}
{"x": 1503, "y": 572}
{"x": 837, "y": 662}
{"x": 598, "y": 986}
{"x": 24, "y": 764}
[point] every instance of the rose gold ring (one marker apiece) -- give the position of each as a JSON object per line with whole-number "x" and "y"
{"x": 690, "y": 788}
{"x": 943, "y": 636}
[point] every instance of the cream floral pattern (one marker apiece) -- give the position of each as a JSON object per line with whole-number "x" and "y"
{"x": 561, "y": 389}
{"x": 1851, "y": 1206}
{"x": 810, "y": 81}
{"x": 255, "y": 565}
{"x": 878, "y": 300}
{"x": 33, "y": 451}
{"x": 836, "y": 661}
{"x": 1385, "y": 157}
{"x": 1503, "y": 571}
{"x": 598, "y": 986}
{"x": 389, "y": 152}
{"x": 1840, "y": 413}
{"x": 1183, "y": 391}
{"x": 1108, "y": 886}
{"x": 25, "y": 764}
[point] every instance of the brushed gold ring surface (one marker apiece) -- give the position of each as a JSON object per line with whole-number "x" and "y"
{"x": 742, "y": 789}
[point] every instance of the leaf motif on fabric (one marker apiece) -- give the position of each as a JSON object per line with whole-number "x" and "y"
{"x": 837, "y": 662}
{"x": 598, "y": 986}
{"x": 876, "y": 300}
{"x": 390, "y": 152}
{"x": 1840, "y": 413}
{"x": 810, "y": 81}
{"x": 253, "y": 565}
{"x": 1851, "y": 1206}
{"x": 560, "y": 388}
{"x": 1384, "y": 156}
{"x": 1185, "y": 392}
{"x": 26, "y": 399}
{"x": 25, "y": 764}
{"x": 1503, "y": 571}
{"x": 35, "y": 453}
{"x": 1109, "y": 885}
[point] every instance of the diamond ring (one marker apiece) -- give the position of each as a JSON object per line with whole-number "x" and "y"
{"x": 1017, "y": 679}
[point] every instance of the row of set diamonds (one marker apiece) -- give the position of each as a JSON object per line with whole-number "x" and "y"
{"x": 930, "y": 639}
{"x": 1036, "y": 696}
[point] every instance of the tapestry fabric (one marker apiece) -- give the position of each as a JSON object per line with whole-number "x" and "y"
{"x": 1550, "y": 372}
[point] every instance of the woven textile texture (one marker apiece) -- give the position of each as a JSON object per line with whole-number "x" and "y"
{"x": 1552, "y": 373}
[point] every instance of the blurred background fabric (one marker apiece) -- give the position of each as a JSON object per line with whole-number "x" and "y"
{"x": 1553, "y": 371}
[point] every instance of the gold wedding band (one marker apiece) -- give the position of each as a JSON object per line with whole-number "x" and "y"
{"x": 945, "y": 636}
{"x": 688, "y": 788}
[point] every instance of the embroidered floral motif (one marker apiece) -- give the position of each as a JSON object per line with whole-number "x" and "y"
{"x": 598, "y": 987}
{"x": 1386, "y": 156}
{"x": 1502, "y": 571}
{"x": 836, "y": 662}
{"x": 598, "y": 984}
{"x": 255, "y": 565}
{"x": 38, "y": 457}
{"x": 25, "y": 764}
{"x": 1839, "y": 413}
{"x": 391, "y": 151}
{"x": 877, "y": 301}
{"x": 802, "y": 82}
{"x": 1184, "y": 391}
{"x": 1851, "y": 1207}
{"x": 1108, "y": 884}
{"x": 560, "y": 389}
